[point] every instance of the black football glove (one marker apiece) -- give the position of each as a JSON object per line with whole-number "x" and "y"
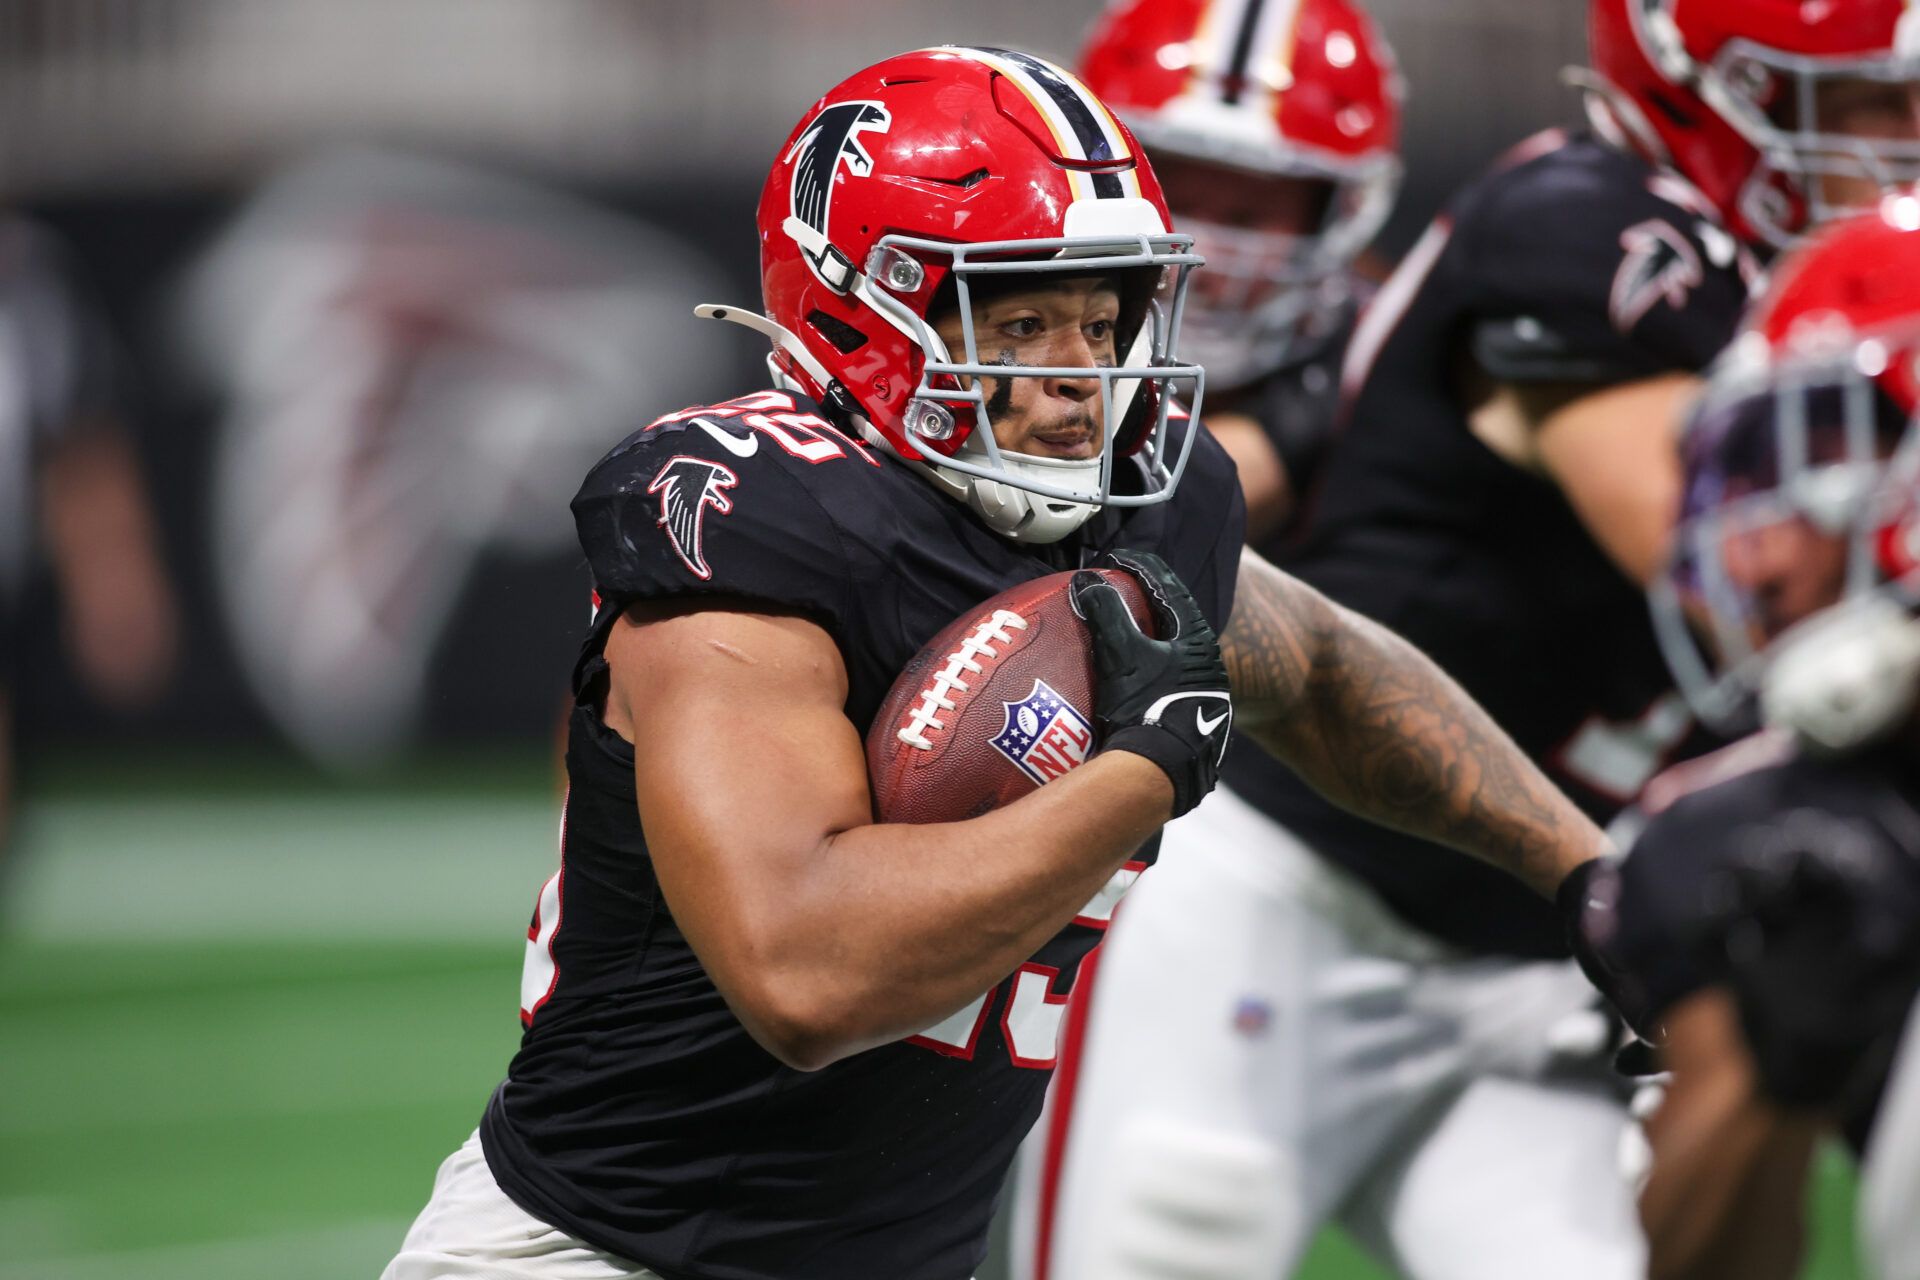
{"x": 1823, "y": 971}
{"x": 1587, "y": 899}
{"x": 1163, "y": 699}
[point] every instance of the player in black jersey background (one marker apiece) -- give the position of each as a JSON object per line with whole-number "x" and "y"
{"x": 1365, "y": 1028}
{"x": 767, "y": 1038}
{"x": 71, "y": 490}
{"x": 1766, "y": 924}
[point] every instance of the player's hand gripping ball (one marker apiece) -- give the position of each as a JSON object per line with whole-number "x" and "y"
{"x": 1026, "y": 687}
{"x": 999, "y": 703}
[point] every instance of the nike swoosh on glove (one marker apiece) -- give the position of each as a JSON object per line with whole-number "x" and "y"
{"x": 1165, "y": 699}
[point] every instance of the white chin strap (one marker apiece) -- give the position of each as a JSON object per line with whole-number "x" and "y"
{"x": 1016, "y": 514}
{"x": 1845, "y": 677}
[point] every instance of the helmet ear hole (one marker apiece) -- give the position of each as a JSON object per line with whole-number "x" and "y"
{"x": 1675, "y": 114}
{"x": 845, "y": 338}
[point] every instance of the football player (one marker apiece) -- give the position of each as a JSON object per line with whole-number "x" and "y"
{"x": 1768, "y": 917}
{"x": 767, "y": 1036}
{"x": 1336, "y": 1020}
{"x": 71, "y": 487}
{"x": 1282, "y": 169}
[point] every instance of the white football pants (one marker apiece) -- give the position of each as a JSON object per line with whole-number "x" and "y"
{"x": 471, "y": 1230}
{"x": 1889, "y": 1206}
{"x": 1267, "y": 1047}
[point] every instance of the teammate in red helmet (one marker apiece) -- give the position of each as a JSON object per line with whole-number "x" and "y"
{"x": 1769, "y": 914}
{"x": 1275, "y": 131}
{"x": 1781, "y": 113}
{"x": 766, "y": 1037}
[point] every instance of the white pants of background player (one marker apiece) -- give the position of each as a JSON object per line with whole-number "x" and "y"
{"x": 1268, "y": 1048}
{"x": 1890, "y": 1176}
{"x": 470, "y": 1230}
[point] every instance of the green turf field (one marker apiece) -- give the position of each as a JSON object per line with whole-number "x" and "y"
{"x": 246, "y": 1015}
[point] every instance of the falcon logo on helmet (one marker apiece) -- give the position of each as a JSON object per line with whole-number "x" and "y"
{"x": 687, "y": 487}
{"x": 831, "y": 140}
{"x": 1660, "y": 266}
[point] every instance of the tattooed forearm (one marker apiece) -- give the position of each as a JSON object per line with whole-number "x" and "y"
{"x": 1375, "y": 726}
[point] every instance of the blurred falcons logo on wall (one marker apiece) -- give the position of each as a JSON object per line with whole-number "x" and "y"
{"x": 419, "y": 362}
{"x": 831, "y": 140}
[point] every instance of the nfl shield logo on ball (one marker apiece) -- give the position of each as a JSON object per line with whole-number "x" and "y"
{"x": 1044, "y": 735}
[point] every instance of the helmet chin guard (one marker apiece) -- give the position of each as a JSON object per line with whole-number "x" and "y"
{"x": 1023, "y": 515}
{"x": 1845, "y": 678}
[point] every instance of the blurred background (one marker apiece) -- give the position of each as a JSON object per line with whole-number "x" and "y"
{"x": 312, "y": 313}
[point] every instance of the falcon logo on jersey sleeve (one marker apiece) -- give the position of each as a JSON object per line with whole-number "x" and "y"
{"x": 1661, "y": 265}
{"x": 1044, "y": 735}
{"x": 686, "y": 487}
{"x": 833, "y": 139}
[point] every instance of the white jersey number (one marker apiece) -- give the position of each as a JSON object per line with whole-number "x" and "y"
{"x": 1031, "y": 1012}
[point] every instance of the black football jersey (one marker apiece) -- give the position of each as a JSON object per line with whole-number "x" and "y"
{"x": 1570, "y": 262}
{"x": 1737, "y": 808}
{"x": 1297, "y": 407}
{"x": 638, "y": 1114}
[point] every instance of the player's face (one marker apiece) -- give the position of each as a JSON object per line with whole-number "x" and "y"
{"x": 1871, "y": 110}
{"x": 1790, "y": 569}
{"x": 1068, "y": 322}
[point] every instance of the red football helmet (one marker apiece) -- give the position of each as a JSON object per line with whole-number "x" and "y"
{"x": 1732, "y": 93}
{"x": 1798, "y": 548}
{"x": 906, "y": 185}
{"x": 1302, "y": 89}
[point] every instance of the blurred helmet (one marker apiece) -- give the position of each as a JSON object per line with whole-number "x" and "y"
{"x": 1796, "y": 560}
{"x": 905, "y": 190}
{"x": 1303, "y": 89}
{"x": 1729, "y": 93}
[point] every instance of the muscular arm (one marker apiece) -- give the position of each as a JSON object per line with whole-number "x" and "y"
{"x": 1729, "y": 1170}
{"x": 1610, "y": 450}
{"x": 827, "y": 933}
{"x": 1377, "y": 728}
{"x": 1614, "y": 453}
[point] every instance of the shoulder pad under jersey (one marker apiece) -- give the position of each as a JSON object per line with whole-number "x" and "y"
{"x": 1588, "y": 265}
{"x": 730, "y": 500}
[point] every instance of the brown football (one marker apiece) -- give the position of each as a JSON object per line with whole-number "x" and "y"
{"x": 995, "y": 705}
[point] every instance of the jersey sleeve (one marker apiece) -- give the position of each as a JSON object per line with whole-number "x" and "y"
{"x": 699, "y": 508}
{"x": 1296, "y": 410}
{"x": 1583, "y": 273}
